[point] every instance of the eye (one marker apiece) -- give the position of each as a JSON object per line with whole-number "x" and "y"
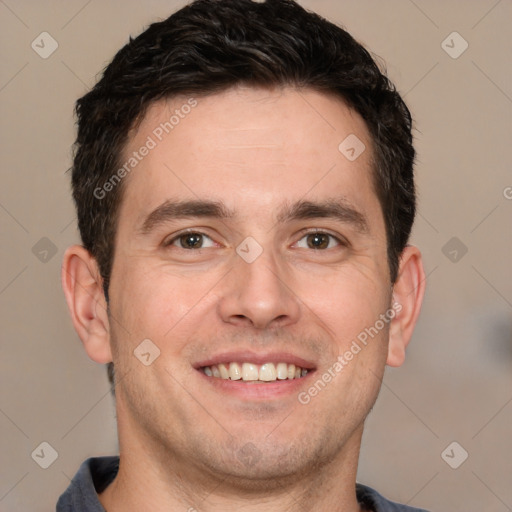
{"x": 191, "y": 240}
{"x": 318, "y": 240}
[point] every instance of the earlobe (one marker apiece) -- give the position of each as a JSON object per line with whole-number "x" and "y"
{"x": 82, "y": 285}
{"x": 408, "y": 292}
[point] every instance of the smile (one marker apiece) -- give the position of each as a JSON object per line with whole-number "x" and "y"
{"x": 250, "y": 372}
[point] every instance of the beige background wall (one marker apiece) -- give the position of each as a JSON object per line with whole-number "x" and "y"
{"x": 456, "y": 384}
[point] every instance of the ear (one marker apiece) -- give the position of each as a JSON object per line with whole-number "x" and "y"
{"x": 82, "y": 285}
{"x": 408, "y": 292}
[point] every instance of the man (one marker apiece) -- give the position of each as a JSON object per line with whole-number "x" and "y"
{"x": 243, "y": 177}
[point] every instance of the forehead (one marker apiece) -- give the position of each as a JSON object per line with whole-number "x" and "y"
{"x": 253, "y": 149}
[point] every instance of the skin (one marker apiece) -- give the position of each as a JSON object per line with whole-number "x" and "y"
{"x": 182, "y": 436}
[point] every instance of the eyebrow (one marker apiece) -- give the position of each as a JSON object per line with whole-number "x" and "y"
{"x": 170, "y": 210}
{"x": 338, "y": 209}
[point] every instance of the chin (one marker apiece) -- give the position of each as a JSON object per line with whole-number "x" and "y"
{"x": 266, "y": 465}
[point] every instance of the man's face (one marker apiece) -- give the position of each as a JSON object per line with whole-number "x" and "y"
{"x": 191, "y": 279}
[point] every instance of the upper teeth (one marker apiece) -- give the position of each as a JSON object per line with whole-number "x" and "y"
{"x": 250, "y": 372}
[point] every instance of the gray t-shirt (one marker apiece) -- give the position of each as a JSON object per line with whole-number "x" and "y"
{"x": 95, "y": 475}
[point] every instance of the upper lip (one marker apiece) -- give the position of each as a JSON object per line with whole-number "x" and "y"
{"x": 248, "y": 356}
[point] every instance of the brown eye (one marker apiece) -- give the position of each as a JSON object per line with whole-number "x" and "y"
{"x": 191, "y": 240}
{"x": 318, "y": 241}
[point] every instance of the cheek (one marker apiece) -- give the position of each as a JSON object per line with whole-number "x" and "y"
{"x": 347, "y": 302}
{"x": 153, "y": 302}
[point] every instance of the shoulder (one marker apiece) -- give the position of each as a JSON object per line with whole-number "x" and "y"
{"x": 375, "y": 502}
{"x": 93, "y": 476}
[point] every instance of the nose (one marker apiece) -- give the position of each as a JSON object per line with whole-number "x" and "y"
{"x": 259, "y": 294}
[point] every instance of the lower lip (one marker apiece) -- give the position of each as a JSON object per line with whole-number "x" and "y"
{"x": 253, "y": 390}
